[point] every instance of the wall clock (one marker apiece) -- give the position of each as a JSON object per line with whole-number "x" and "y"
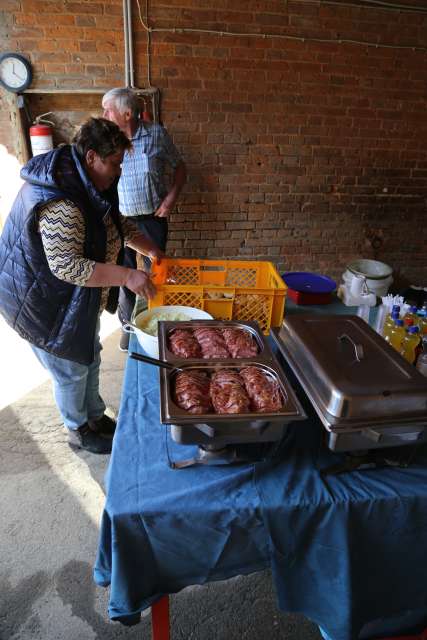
{"x": 15, "y": 72}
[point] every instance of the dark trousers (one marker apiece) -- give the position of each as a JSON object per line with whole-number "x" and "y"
{"x": 156, "y": 229}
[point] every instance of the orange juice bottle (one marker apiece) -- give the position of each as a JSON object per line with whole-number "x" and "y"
{"x": 422, "y": 322}
{"x": 396, "y": 335}
{"x": 411, "y": 313}
{"x": 410, "y": 346}
{"x": 389, "y": 323}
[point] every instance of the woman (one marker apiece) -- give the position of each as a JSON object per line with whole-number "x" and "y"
{"x": 61, "y": 254}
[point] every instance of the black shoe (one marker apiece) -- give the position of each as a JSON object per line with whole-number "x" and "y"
{"x": 124, "y": 341}
{"x": 105, "y": 426}
{"x": 85, "y": 438}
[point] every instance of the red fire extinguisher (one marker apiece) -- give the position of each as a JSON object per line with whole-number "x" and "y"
{"x": 146, "y": 115}
{"x": 41, "y": 135}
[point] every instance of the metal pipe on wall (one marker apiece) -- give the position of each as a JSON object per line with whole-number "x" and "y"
{"x": 126, "y": 40}
{"x": 152, "y": 93}
{"x": 130, "y": 43}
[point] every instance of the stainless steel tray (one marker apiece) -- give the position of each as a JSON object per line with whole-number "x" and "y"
{"x": 353, "y": 378}
{"x": 166, "y": 327}
{"x": 171, "y": 413}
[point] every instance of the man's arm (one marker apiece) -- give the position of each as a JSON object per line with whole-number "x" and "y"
{"x": 143, "y": 245}
{"x": 135, "y": 239}
{"x": 179, "y": 179}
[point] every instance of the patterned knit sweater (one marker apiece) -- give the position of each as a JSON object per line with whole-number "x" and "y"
{"x": 62, "y": 229}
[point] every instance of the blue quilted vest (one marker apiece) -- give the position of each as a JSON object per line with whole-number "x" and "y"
{"x": 52, "y": 314}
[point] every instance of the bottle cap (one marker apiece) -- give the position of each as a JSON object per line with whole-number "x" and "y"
{"x": 396, "y": 307}
{"x": 408, "y": 321}
{"x": 413, "y": 330}
{"x": 413, "y": 309}
{"x": 398, "y": 322}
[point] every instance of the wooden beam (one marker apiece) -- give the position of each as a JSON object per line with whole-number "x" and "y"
{"x": 19, "y": 126}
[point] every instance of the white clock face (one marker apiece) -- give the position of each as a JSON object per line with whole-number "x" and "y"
{"x": 13, "y": 72}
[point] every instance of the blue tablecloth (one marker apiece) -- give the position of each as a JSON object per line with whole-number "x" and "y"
{"x": 344, "y": 550}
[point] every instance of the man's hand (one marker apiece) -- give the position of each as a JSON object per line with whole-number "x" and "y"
{"x": 163, "y": 211}
{"x": 139, "y": 282}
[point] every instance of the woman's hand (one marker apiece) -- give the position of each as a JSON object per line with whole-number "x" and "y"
{"x": 156, "y": 255}
{"x": 140, "y": 283}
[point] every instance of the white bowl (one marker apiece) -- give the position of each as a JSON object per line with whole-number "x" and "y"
{"x": 377, "y": 275}
{"x": 150, "y": 343}
{"x": 373, "y": 269}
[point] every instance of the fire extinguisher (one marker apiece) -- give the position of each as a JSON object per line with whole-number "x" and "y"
{"x": 41, "y": 135}
{"x": 146, "y": 115}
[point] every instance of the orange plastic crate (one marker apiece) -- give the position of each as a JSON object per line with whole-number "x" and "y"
{"x": 227, "y": 289}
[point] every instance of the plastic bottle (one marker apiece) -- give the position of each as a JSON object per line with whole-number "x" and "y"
{"x": 411, "y": 313}
{"x": 410, "y": 343}
{"x": 363, "y": 312}
{"x": 382, "y": 313}
{"x": 389, "y": 320}
{"x": 396, "y": 335}
{"x": 422, "y": 359}
{"x": 420, "y": 316}
{"x": 422, "y": 321}
{"x": 389, "y": 325}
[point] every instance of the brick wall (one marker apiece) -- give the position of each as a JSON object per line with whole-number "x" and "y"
{"x": 307, "y": 153}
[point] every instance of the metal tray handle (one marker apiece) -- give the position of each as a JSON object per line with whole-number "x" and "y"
{"x": 358, "y": 348}
{"x": 394, "y": 437}
{"x": 128, "y": 327}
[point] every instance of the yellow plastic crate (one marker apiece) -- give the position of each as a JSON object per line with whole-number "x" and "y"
{"x": 227, "y": 289}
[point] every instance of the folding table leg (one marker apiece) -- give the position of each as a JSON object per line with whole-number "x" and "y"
{"x": 160, "y": 619}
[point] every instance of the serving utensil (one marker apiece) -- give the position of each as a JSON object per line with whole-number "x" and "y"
{"x": 158, "y": 363}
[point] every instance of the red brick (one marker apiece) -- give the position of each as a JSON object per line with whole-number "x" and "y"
{"x": 83, "y": 7}
{"x": 85, "y": 21}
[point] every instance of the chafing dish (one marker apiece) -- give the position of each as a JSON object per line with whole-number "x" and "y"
{"x": 166, "y": 327}
{"x": 364, "y": 392}
{"x": 228, "y": 428}
{"x": 216, "y": 431}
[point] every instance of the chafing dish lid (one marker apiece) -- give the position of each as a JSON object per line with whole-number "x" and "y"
{"x": 349, "y": 371}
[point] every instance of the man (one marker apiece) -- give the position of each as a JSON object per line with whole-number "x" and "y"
{"x": 61, "y": 255}
{"x": 144, "y": 195}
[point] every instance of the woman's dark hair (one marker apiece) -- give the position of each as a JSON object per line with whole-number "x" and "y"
{"x": 101, "y": 135}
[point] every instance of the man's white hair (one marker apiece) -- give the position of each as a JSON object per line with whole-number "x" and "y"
{"x": 123, "y": 99}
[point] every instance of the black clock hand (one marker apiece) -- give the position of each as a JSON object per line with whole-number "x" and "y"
{"x": 15, "y": 74}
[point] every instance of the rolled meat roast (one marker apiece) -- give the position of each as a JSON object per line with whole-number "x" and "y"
{"x": 263, "y": 392}
{"x": 228, "y": 392}
{"x": 183, "y": 344}
{"x": 240, "y": 343}
{"x": 192, "y": 392}
{"x": 211, "y": 342}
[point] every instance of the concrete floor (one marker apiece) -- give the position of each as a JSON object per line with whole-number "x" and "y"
{"x": 51, "y": 501}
